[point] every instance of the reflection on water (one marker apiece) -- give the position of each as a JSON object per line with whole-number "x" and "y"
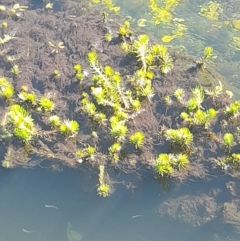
{"x": 37, "y": 204}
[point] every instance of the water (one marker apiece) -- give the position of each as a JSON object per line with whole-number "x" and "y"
{"x": 38, "y": 204}
{"x": 129, "y": 214}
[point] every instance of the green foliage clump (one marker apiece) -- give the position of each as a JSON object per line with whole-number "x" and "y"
{"x": 124, "y": 30}
{"x": 46, "y": 104}
{"x": 87, "y": 153}
{"x": 165, "y": 164}
{"x": 182, "y": 136}
{"x": 78, "y": 71}
{"x": 69, "y": 127}
{"x": 137, "y": 139}
{"x": 55, "y": 121}
{"x": 6, "y": 88}
{"x": 118, "y": 129}
{"x": 228, "y": 140}
{"x": 103, "y": 189}
{"x": 15, "y": 70}
{"x": 114, "y": 151}
{"x": 232, "y": 111}
{"x": 22, "y": 122}
{"x": 24, "y": 95}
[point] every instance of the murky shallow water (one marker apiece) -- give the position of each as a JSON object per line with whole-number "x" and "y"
{"x": 37, "y": 204}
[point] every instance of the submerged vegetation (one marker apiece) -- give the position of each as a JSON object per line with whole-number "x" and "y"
{"x": 144, "y": 104}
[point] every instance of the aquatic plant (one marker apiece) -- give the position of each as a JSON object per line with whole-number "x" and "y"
{"x": 114, "y": 151}
{"x": 179, "y": 94}
{"x": 49, "y": 6}
{"x": 207, "y": 58}
{"x": 211, "y": 10}
{"x": 195, "y": 102}
{"x": 235, "y": 160}
{"x": 181, "y": 161}
{"x": 232, "y": 111}
{"x": 228, "y": 140}
{"x": 90, "y": 151}
{"x": 137, "y": 139}
{"x": 182, "y": 136}
{"x": 55, "y": 121}
{"x": 78, "y": 71}
{"x": 6, "y": 88}
{"x": 103, "y": 188}
{"x": 168, "y": 101}
{"x": 108, "y": 89}
{"x": 15, "y": 70}
{"x": 162, "y": 164}
{"x": 22, "y": 122}
{"x": 4, "y": 26}
{"x": 24, "y": 95}
{"x": 124, "y": 30}
{"x": 199, "y": 117}
{"x": 46, "y": 104}
{"x": 88, "y": 154}
{"x": 217, "y": 91}
{"x": 69, "y": 127}
{"x": 56, "y": 73}
{"x": 118, "y": 130}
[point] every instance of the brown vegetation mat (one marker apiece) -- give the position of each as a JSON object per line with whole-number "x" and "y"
{"x": 37, "y": 60}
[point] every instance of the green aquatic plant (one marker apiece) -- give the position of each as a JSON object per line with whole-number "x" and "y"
{"x": 218, "y": 91}
{"x": 103, "y": 188}
{"x": 137, "y": 139}
{"x": 90, "y": 151}
{"x": 24, "y": 127}
{"x": 54, "y": 121}
{"x": 6, "y": 88}
{"x": 56, "y": 73}
{"x": 211, "y": 10}
{"x": 195, "y": 102}
{"x": 168, "y": 101}
{"x": 165, "y": 61}
{"x": 232, "y": 111}
{"x": 4, "y": 26}
{"x": 46, "y": 104}
{"x": 15, "y": 70}
{"x": 199, "y": 117}
{"x": 2, "y": 8}
{"x": 228, "y": 140}
{"x": 114, "y": 151}
{"x": 118, "y": 130}
{"x": 235, "y": 160}
{"x": 16, "y": 9}
{"x": 207, "y": 58}
{"x": 88, "y": 154}
{"x": 78, "y": 71}
{"x": 107, "y": 89}
{"x": 181, "y": 161}
{"x": 24, "y": 95}
{"x": 124, "y": 30}
{"x": 162, "y": 164}
{"x": 69, "y": 127}
{"x": 182, "y": 136}
{"x": 179, "y": 94}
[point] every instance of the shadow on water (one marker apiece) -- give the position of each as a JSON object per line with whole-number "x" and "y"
{"x": 37, "y": 204}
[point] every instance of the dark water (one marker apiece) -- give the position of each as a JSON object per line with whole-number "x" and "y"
{"x": 25, "y": 192}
